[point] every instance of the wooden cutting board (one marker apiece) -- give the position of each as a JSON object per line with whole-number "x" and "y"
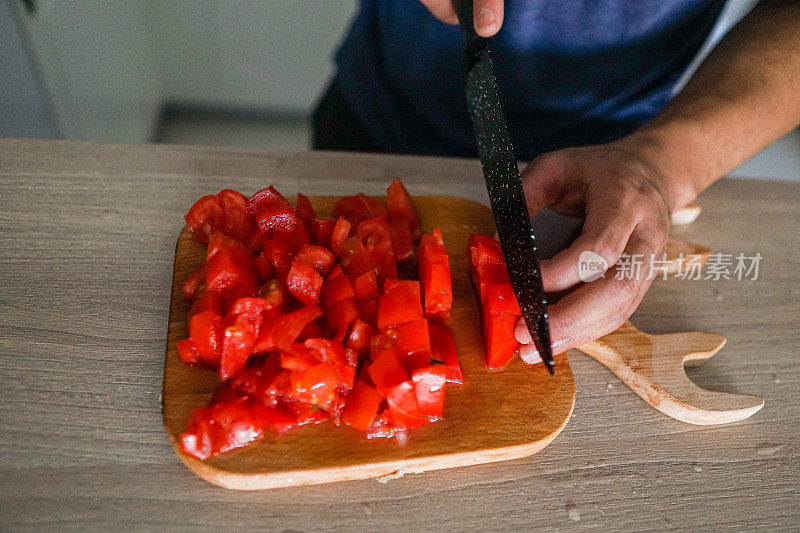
{"x": 493, "y": 416}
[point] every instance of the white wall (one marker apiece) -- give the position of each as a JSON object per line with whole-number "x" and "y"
{"x": 109, "y": 65}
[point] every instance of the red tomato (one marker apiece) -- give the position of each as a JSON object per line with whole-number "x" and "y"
{"x": 188, "y": 352}
{"x": 360, "y": 338}
{"x": 272, "y": 211}
{"x": 316, "y": 385}
{"x": 362, "y": 406}
{"x": 335, "y": 290}
{"x": 238, "y": 224}
{"x": 285, "y": 329}
{"x": 243, "y": 324}
{"x": 306, "y": 413}
{"x": 443, "y": 348}
{"x": 277, "y": 252}
{"x": 387, "y": 371}
{"x": 195, "y": 280}
{"x": 304, "y": 282}
{"x": 412, "y": 338}
{"x": 205, "y": 331}
{"x": 304, "y": 210}
{"x": 429, "y": 386}
{"x": 358, "y": 208}
{"x": 355, "y": 259}
{"x": 340, "y": 316}
{"x": 501, "y": 345}
{"x": 402, "y": 240}
{"x": 204, "y": 218}
{"x": 434, "y": 274}
{"x": 263, "y": 267}
{"x": 341, "y": 230}
{"x": 399, "y": 206}
{"x": 399, "y": 305}
{"x": 367, "y": 294}
{"x": 485, "y": 250}
{"x": 207, "y": 301}
{"x": 229, "y": 268}
{"x": 297, "y": 238}
{"x": 321, "y": 231}
{"x": 320, "y": 258}
{"x": 403, "y": 409}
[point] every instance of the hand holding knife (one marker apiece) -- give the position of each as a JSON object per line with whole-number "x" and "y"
{"x": 504, "y": 183}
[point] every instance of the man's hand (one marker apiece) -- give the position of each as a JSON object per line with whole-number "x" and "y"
{"x": 625, "y": 200}
{"x": 488, "y": 14}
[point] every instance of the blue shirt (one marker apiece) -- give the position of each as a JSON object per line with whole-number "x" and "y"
{"x": 571, "y": 72}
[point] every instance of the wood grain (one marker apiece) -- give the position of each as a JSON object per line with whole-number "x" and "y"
{"x": 494, "y": 416}
{"x": 87, "y": 241}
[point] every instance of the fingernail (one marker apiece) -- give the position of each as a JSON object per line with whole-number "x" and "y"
{"x": 529, "y": 354}
{"x": 522, "y": 334}
{"x": 486, "y": 20}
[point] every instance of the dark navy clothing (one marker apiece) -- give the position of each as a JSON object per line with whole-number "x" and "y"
{"x": 571, "y": 72}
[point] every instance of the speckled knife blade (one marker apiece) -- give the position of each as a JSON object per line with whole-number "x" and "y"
{"x": 504, "y": 183}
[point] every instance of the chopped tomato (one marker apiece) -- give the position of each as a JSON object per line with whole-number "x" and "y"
{"x": 303, "y": 208}
{"x": 285, "y": 329}
{"x": 411, "y": 338}
{"x": 399, "y": 305}
{"x": 387, "y": 371}
{"x": 315, "y": 385}
{"x": 304, "y": 282}
{"x": 399, "y": 206}
{"x": 429, "y": 388}
{"x": 277, "y": 252}
{"x": 403, "y": 408}
{"x": 340, "y": 232}
{"x": 358, "y": 208}
{"x": 334, "y": 290}
{"x": 434, "y": 274}
{"x": 501, "y": 345}
{"x": 195, "y": 280}
{"x": 317, "y": 256}
{"x": 362, "y": 406}
{"x": 402, "y": 240}
{"x": 367, "y": 294}
{"x": 205, "y": 332}
{"x": 443, "y": 349}
{"x": 229, "y": 267}
{"x": 306, "y": 413}
{"x": 501, "y": 299}
{"x": 205, "y": 218}
{"x": 238, "y": 222}
{"x": 355, "y": 258}
{"x": 340, "y": 316}
{"x": 263, "y": 267}
{"x": 207, "y": 301}
{"x": 242, "y": 327}
{"x": 272, "y": 211}
{"x": 360, "y": 338}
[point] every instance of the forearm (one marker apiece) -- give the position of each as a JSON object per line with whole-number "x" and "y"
{"x": 745, "y": 95}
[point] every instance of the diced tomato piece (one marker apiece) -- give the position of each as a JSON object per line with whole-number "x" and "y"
{"x": 373, "y": 229}
{"x": 501, "y": 299}
{"x": 484, "y": 276}
{"x": 205, "y": 331}
{"x": 408, "y": 285}
{"x": 321, "y": 231}
{"x": 381, "y": 427}
{"x": 229, "y": 267}
{"x": 501, "y": 345}
{"x": 200, "y": 435}
{"x": 403, "y": 409}
{"x": 284, "y": 330}
{"x": 358, "y": 208}
{"x": 195, "y": 280}
{"x": 188, "y": 352}
{"x": 297, "y": 238}
{"x": 227, "y": 425}
{"x": 255, "y": 241}
{"x": 443, "y": 348}
{"x": 434, "y": 274}
{"x": 205, "y": 217}
{"x": 320, "y": 258}
{"x": 272, "y": 211}
{"x": 316, "y": 385}
{"x": 399, "y": 305}
{"x": 264, "y": 268}
{"x": 360, "y": 338}
{"x": 303, "y": 208}
{"x": 340, "y": 316}
{"x": 306, "y": 413}
{"x": 485, "y": 250}
{"x": 362, "y": 406}
{"x": 387, "y": 371}
{"x": 411, "y": 338}
{"x": 367, "y": 294}
{"x": 207, "y": 301}
{"x": 238, "y": 224}
{"x": 277, "y": 252}
{"x": 276, "y": 296}
{"x": 355, "y": 259}
{"x": 258, "y": 380}
{"x": 335, "y": 290}
{"x": 304, "y": 282}
{"x": 341, "y": 231}
{"x": 399, "y": 206}
{"x": 276, "y": 418}
{"x": 429, "y": 385}
{"x": 402, "y": 240}
{"x": 243, "y": 325}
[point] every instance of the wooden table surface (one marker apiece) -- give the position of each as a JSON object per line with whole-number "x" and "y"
{"x": 87, "y": 235}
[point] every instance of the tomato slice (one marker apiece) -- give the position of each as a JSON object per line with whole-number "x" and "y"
{"x": 341, "y": 230}
{"x": 443, "y": 349}
{"x": 303, "y": 208}
{"x": 195, "y": 280}
{"x": 399, "y": 305}
{"x": 205, "y": 218}
{"x": 320, "y": 258}
{"x": 501, "y": 345}
{"x": 399, "y": 206}
{"x": 501, "y": 299}
{"x": 403, "y": 408}
{"x": 387, "y": 371}
{"x": 272, "y": 211}
{"x": 429, "y": 387}
{"x": 304, "y": 282}
{"x": 207, "y": 301}
{"x": 485, "y": 250}
{"x": 205, "y": 331}
{"x": 362, "y": 406}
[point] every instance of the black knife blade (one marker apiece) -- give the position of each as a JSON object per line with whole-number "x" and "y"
{"x": 504, "y": 183}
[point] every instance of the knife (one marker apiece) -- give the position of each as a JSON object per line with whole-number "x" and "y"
{"x": 504, "y": 183}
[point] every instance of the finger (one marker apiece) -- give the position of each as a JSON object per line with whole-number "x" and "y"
{"x": 488, "y": 16}
{"x": 442, "y": 10}
{"x": 610, "y": 220}
{"x": 598, "y": 308}
{"x": 544, "y": 181}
